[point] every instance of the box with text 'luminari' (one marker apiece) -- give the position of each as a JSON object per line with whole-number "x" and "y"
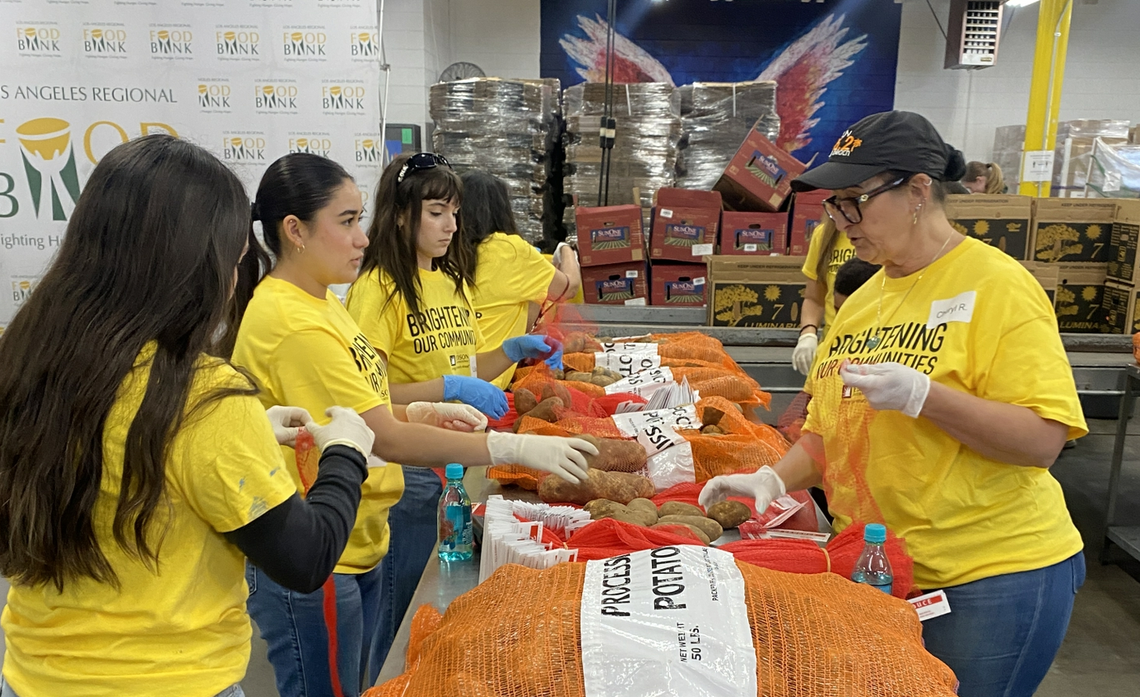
{"x": 756, "y": 291}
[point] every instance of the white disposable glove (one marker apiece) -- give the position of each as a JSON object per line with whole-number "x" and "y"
{"x": 763, "y": 485}
{"x": 889, "y": 386}
{"x": 346, "y": 428}
{"x": 454, "y": 417}
{"x": 286, "y": 422}
{"x": 558, "y": 254}
{"x": 561, "y": 456}
{"x": 804, "y": 353}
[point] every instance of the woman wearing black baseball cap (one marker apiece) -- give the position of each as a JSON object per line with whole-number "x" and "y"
{"x": 938, "y": 405}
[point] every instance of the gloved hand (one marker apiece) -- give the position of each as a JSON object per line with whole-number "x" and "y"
{"x": 889, "y": 386}
{"x": 763, "y": 485}
{"x": 478, "y": 393}
{"x": 286, "y": 421}
{"x": 558, "y": 254}
{"x": 346, "y": 428}
{"x": 561, "y": 456}
{"x": 529, "y": 346}
{"x": 804, "y": 353}
{"x": 453, "y": 417}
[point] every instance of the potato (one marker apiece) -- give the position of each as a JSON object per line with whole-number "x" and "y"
{"x": 710, "y": 527}
{"x": 546, "y": 409}
{"x": 555, "y": 389}
{"x": 614, "y": 486}
{"x": 678, "y": 508}
{"x": 603, "y": 508}
{"x": 557, "y": 373}
{"x": 615, "y": 455}
{"x": 574, "y": 343}
{"x": 729, "y": 514}
{"x": 602, "y": 380}
{"x": 644, "y": 505}
{"x": 712, "y": 431}
{"x": 696, "y": 531}
{"x": 524, "y": 400}
{"x": 602, "y": 371}
{"x": 577, "y": 376}
{"x": 711, "y": 416}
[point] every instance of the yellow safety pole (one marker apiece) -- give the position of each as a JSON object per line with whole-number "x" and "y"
{"x": 1045, "y": 90}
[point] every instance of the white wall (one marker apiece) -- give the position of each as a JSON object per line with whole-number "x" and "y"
{"x": 500, "y": 36}
{"x": 1101, "y": 80}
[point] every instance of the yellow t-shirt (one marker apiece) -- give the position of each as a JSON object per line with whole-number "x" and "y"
{"x": 443, "y": 339}
{"x": 509, "y": 276}
{"x": 307, "y": 352}
{"x": 841, "y": 252}
{"x": 964, "y": 516}
{"x": 181, "y": 629}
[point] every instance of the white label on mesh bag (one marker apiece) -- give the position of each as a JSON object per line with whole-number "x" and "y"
{"x": 670, "y": 459}
{"x": 667, "y": 621}
{"x": 629, "y": 347}
{"x": 644, "y": 383}
{"x": 678, "y": 418}
{"x": 628, "y": 364}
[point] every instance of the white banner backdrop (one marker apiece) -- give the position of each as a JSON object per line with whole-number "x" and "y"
{"x": 250, "y": 80}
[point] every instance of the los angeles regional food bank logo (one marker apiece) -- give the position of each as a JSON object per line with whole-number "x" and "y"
{"x": 38, "y": 40}
{"x": 312, "y": 143}
{"x": 276, "y": 97}
{"x": 171, "y": 42}
{"x": 364, "y": 44}
{"x": 49, "y": 164}
{"x": 343, "y": 96}
{"x": 105, "y": 41}
{"x": 367, "y": 149}
{"x": 304, "y": 43}
{"x": 238, "y": 42}
{"x": 243, "y": 147}
{"x": 214, "y": 96}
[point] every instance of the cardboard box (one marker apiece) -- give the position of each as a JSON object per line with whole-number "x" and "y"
{"x": 609, "y": 235}
{"x": 669, "y": 197}
{"x": 760, "y": 234}
{"x": 676, "y": 285}
{"x": 1119, "y": 308}
{"x": 683, "y": 234}
{"x": 1080, "y": 293}
{"x": 1123, "y": 243}
{"x": 759, "y": 176}
{"x": 999, "y": 220}
{"x": 1072, "y": 230}
{"x": 806, "y": 217}
{"x": 1046, "y": 274}
{"x": 756, "y": 291}
{"x": 616, "y": 284}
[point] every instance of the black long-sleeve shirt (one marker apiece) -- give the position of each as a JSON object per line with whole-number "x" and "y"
{"x": 298, "y": 542}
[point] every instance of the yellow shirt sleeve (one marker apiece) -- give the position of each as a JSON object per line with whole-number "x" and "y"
{"x": 315, "y": 372}
{"x": 378, "y": 319}
{"x": 232, "y": 470}
{"x": 530, "y": 273}
{"x": 815, "y": 249}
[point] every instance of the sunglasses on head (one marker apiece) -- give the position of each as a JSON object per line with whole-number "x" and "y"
{"x": 419, "y": 162}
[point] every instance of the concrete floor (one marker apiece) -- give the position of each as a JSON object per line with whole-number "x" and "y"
{"x": 1101, "y": 654}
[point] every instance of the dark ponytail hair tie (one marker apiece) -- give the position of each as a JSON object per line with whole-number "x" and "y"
{"x": 955, "y": 165}
{"x": 254, "y": 211}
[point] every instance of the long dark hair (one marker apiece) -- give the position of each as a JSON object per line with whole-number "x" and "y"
{"x": 297, "y": 184}
{"x": 486, "y": 210}
{"x": 392, "y": 247}
{"x": 149, "y": 256}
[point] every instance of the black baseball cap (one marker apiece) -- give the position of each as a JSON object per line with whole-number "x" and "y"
{"x": 900, "y": 141}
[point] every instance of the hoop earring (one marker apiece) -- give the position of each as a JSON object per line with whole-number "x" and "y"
{"x": 301, "y": 249}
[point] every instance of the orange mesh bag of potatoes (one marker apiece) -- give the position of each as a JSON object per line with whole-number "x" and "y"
{"x": 729, "y": 442}
{"x": 524, "y": 633}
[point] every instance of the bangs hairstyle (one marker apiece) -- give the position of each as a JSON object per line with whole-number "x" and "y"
{"x": 392, "y": 248}
{"x": 149, "y": 256}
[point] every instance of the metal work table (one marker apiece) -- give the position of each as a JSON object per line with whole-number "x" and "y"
{"x": 1127, "y": 538}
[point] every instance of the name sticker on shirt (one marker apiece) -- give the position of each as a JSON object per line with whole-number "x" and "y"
{"x": 960, "y": 308}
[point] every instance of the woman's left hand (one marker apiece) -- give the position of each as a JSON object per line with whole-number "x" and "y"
{"x": 286, "y": 422}
{"x": 453, "y": 417}
{"x": 534, "y": 346}
{"x": 889, "y": 386}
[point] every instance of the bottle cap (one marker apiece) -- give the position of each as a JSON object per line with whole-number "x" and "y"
{"x": 873, "y": 533}
{"x": 455, "y": 471}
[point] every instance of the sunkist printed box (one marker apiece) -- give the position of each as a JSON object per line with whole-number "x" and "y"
{"x": 609, "y": 235}
{"x": 756, "y": 291}
{"x": 998, "y": 220}
{"x": 616, "y": 284}
{"x": 1072, "y": 230}
{"x": 1080, "y": 294}
{"x": 759, "y": 176}
{"x": 685, "y": 225}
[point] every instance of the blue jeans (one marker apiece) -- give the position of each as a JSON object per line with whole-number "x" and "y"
{"x": 1003, "y": 632}
{"x": 293, "y": 625}
{"x": 413, "y": 522}
{"x": 231, "y": 691}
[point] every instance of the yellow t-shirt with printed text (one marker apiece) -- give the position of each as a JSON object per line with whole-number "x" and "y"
{"x": 841, "y": 252}
{"x": 443, "y": 338}
{"x": 509, "y": 276}
{"x": 307, "y": 352}
{"x": 979, "y": 323}
{"x": 182, "y": 628}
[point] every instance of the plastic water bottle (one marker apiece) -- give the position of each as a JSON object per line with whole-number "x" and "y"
{"x": 456, "y": 539}
{"x": 873, "y": 567}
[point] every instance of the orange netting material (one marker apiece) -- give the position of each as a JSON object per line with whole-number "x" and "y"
{"x": 308, "y": 459}
{"x": 517, "y": 635}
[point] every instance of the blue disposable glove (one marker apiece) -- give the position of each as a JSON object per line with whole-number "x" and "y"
{"x": 534, "y": 346}
{"x": 478, "y": 393}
